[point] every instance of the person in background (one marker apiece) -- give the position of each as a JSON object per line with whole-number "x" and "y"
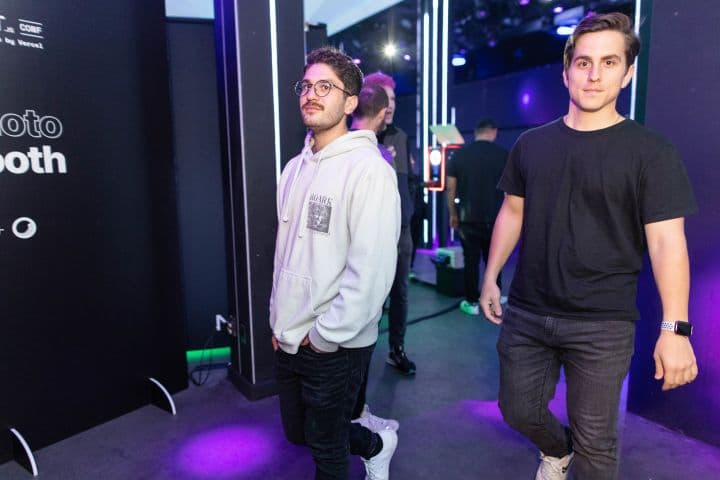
{"x": 472, "y": 175}
{"x": 396, "y": 140}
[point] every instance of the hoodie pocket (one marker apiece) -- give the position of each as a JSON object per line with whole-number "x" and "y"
{"x": 292, "y": 303}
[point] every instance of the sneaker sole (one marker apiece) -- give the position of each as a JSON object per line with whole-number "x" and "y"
{"x": 395, "y": 365}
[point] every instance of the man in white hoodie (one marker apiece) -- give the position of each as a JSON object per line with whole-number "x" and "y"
{"x": 335, "y": 255}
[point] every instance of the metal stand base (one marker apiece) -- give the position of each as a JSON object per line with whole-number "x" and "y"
{"x": 25, "y": 452}
{"x": 169, "y": 404}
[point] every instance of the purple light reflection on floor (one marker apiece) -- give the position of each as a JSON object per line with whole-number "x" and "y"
{"x": 485, "y": 409}
{"x": 224, "y": 452}
{"x": 489, "y": 410}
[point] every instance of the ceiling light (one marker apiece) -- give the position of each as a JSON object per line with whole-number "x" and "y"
{"x": 458, "y": 60}
{"x": 390, "y": 50}
{"x": 565, "y": 30}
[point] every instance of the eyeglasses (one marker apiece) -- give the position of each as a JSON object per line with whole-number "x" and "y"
{"x": 321, "y": 87}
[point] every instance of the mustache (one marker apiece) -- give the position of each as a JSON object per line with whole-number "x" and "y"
{"x": 312, "y": 104}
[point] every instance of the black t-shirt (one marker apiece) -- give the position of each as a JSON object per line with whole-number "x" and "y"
{"x": 588, "y": 196}
{"x": 478, "y": 167}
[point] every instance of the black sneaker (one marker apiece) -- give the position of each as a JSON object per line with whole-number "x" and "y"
{"x": 398, "y": 359}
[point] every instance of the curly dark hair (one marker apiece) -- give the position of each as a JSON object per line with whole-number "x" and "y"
{"x": 615, "y": 21}
{"x": 341, "y": 64}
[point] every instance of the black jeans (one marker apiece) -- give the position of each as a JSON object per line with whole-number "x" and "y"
{"x": 595, "y": 356}
{"x": 475, "y": 239}
{"x": 397, "y": 316}
{"x": 317, "y": 394}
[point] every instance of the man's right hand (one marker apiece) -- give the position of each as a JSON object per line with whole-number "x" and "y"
{"x": 490, "y": 302}
{"x": 275, "y": 343}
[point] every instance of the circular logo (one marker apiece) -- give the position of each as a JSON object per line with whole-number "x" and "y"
{"x": 24, "y": 228}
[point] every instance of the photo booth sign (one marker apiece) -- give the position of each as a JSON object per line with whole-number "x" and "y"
{"x": 90, "y": 303}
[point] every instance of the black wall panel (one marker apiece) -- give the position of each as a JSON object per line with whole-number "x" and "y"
{"x": 244, "y": 59}
{"x": 682, "y": 101}
{"x": 193, "y": 80}
{"x": 91, "y": 302}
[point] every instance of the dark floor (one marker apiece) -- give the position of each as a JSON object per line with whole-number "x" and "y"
{"x": 450, "y": 425}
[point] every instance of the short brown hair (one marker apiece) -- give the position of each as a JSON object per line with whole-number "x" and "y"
{"x": 618, "y": 22}
{"x": 371, "y": 100}
{"x": 341, "y": 64}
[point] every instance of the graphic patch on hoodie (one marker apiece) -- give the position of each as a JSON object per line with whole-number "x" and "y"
{"x": 319, "y": 211}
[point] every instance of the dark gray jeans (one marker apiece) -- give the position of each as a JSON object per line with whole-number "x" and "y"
{"x": 317, "y": 394}
{"x": 595, "y": 356}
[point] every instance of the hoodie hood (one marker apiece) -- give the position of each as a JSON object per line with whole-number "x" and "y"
{"x": 343, "y": 144}
{"x": 350, "y": 141}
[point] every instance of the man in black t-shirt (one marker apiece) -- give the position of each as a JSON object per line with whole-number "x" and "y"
{"x": 587, "y": 194}
{"x": 473, "y": 173}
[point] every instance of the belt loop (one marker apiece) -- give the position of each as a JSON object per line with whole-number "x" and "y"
{"x": 549, "y": 326}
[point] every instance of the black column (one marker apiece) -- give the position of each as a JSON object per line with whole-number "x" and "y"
{"x": 680, "y": 100}
{"x": 248, "y": 133}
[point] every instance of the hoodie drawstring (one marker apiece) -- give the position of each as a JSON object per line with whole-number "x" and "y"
{"x": 304, "y": 156}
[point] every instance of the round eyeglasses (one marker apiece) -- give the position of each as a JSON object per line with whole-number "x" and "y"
{"x": 321, "y": 88}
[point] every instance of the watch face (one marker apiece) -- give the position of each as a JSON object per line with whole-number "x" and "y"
{"x": 683, "y": 328}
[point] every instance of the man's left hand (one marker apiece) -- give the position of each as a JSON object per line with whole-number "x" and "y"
{"x": 306, "y": 342}
{"x": 674, "y": 360}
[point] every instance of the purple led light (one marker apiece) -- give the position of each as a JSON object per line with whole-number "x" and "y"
{"x": 558, "y": 9}
{"x": 357, "y": 61}
{"x": 524, "y": 2}
{"x": 224, "y": 452}
{"x": 525, "y": 99}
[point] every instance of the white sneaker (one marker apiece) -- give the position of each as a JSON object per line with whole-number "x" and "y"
{"x": 553, "y": 468}
{"x": 378, "y": 467}
{"x": 374, "y": 423}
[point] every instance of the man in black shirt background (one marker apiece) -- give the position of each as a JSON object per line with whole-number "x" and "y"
{"x": 472, "y": 176}
{"x": 588, "y": 194}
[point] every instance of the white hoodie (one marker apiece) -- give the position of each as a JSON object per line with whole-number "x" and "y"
{"x": 336, "y": 248}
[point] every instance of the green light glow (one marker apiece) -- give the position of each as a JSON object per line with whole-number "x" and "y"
{"x": 222, "y": 353}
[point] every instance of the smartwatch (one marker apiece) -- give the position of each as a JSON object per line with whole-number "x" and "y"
{"x": 679, "y": 327}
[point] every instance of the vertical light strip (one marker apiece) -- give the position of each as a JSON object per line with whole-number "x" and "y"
{"x": 230, "y": 189}
{"x": 444, "y": 67}
{"x": 425, "y": 108}
{"x": 633, "y": 84}
{"x": 419, "y": 62}
{"x": 275, "y": 87}
{"x": 434, "y": 93}
{"x": 426, "y": 89}
{"x": 246, "y": 215}
{"x": 435, "y": 36}
{"x": 452, "y": 122}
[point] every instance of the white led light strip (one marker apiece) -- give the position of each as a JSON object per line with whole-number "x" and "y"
{"x": 633, "y": 85}
{"x": 275, "y": 92}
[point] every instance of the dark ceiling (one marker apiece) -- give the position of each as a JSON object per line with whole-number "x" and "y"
{"x": 494, "y": 36}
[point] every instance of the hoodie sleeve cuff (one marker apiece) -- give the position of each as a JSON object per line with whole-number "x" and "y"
{"x": 320, "y": 343}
